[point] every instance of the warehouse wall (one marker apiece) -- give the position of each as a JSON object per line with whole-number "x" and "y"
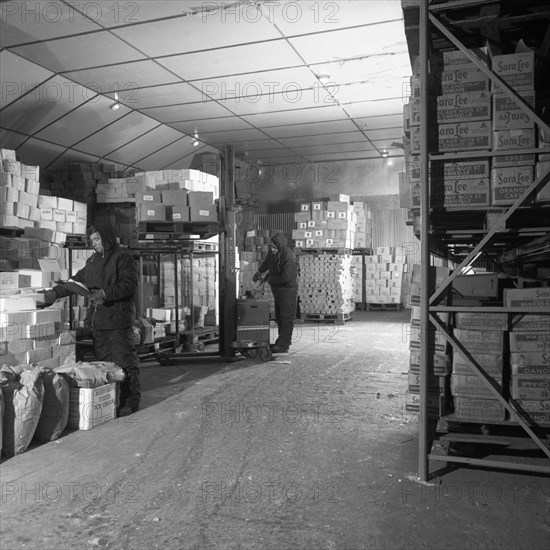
{"x": 280, "y": 188}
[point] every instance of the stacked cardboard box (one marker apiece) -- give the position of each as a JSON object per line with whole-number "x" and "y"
{"x": 325, "y": 224}
{"x": 436, "y": 375}
{"x": 385, "y": 276}
{"x": 325, "y": 285}
{"x": 460, "y": 107}
{"x": 529, "y": 351}
{"x": 512, "y": 128}
{"x": 483, "y": 335}
{"x": 363, "y": 225}
{"x": 358, "y": 277}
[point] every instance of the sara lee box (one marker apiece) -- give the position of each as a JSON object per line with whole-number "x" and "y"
{"x": 509, "y": 182}
{"x": 440, "y": 364}
{"x": 516, "y": 69}
{"x": 528, "y": 297}
{"x": 463, "y": 106}
{"x": 479, "y": 410}
{"x": 464, "y": 136}
{"x": 480, "y": 341}
{"x": 463, "y": 80}
{"x": 512, "y": 140}
{"x": 473, "y": 385}
{"x": 507, "y": 115}
{"x": 492, "y": 364}
{"x": 468, "y": 192}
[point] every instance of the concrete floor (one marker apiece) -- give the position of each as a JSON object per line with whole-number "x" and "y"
{"x": 310, "y": 451}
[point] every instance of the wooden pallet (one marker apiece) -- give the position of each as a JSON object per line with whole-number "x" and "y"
{"x": 334, "y": 318}
{"x": 383, "y": 307}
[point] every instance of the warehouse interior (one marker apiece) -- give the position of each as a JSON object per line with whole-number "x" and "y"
{"x": 401, "y": 147}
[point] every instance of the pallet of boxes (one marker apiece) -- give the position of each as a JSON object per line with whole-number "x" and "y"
{"x": 325, "y": 236}
{"x": 386, "y": 275}
{"x": 471, "y": 114}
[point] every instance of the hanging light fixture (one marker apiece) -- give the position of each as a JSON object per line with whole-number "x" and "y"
{"x": 195, "y": 142}
{"x": 385, "y": 153}
{"x": 116, "y": 105}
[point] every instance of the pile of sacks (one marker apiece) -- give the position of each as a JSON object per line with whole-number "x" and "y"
{"x": 34, "y": 401}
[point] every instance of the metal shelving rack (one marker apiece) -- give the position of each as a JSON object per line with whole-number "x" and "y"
{"x": 428, "y": 25}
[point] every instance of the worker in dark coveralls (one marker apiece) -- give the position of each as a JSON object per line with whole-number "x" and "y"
{"x": 112, "y": 275}
{"x": 282, "y": 277}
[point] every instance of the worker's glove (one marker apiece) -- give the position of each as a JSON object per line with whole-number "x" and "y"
{"x": 257, "y": 276}
{"x": 50, "y": 296}
{"x": 98, "y": 296}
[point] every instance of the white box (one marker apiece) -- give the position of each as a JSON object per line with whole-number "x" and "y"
{"x": 90, "y": 407}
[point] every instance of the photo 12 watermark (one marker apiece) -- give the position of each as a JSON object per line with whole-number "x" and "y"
{"x": 68, "y": 492}
{"x": 254, "y": 492}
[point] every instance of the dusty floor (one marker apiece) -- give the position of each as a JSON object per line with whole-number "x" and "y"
{"x": 310, "y": 451}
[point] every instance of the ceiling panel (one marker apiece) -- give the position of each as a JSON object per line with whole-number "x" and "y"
{"x": 282, "y": 118}
{"x": 356, "y": 155}
{"x": 313, "y": 16}
{"x": 385, "y": 133}
{"x": 189, "y": 111}
{"x": 203, "y": 32}
{"x": 383, "y": 121}
{"x": 346, "y": 137}
{"x": 123, "y": 77}
{"x": 259, "y": 145}
{"x": 235, "y": 136}
{"x": 36, "y": 152}
{"x": 360, "y": 42}
{"x": 30, "y": 21}
{"x": 19, "y": 77}
{"x": 239, "y": 59}
{"x": 11, "y": 140}
{"x": 48, "y": 102}
{"x": 338, "y": 147}
{"x": 167, "y": 156}
{"x": 155, "y": 96}
{"x": 393, "y": 106}
{"x": 145, "y": 145}
{"x": 81, "y": 123}
{"x": 140, "y": 11}
{"x": 310, "y": 129}
{"x": 70, "y": 156}
{"x": 114, "y": 136}
{"x": 266, "y": 82}
{"x": 211, "y": 125}
{"x": 89, "y": 50}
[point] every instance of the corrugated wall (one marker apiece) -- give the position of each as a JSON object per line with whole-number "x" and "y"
{"x": 389, "y": 228}
{"x": 276, "y": 222}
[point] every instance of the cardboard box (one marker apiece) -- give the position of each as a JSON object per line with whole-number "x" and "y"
{"x": 175, "y": 198}
{"x": 507, "y": 115}
{"x": 492, "y": 364}
{"x": 516, "y": 69}
{"x": 464, "y": 79}
{"x": 203, "y": 213}
{"x": 508, "y": 183}
{"x": 481, "y": 341}
{"x": 480, "y": 321}
{"x": 464, "y": 136}
{"x": 200, "y": 198}
{"x": 479, "y": 410}
{"x": 528, "y": 297}
{"x": 473, "y": 386}
{"x": 530, "y": 387}
{"x": 178, "y": 213}
{"x": 512, "y": 140}
{"x": 148, "y": 196}
{"x": 90, "y": 407}
{"x": 467, "y": 192}
{"x": 522, "y": 342}
{"x": 456, "y": 58}
{"x": 463, "y": 106}
{"x": 151, "y": 211}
